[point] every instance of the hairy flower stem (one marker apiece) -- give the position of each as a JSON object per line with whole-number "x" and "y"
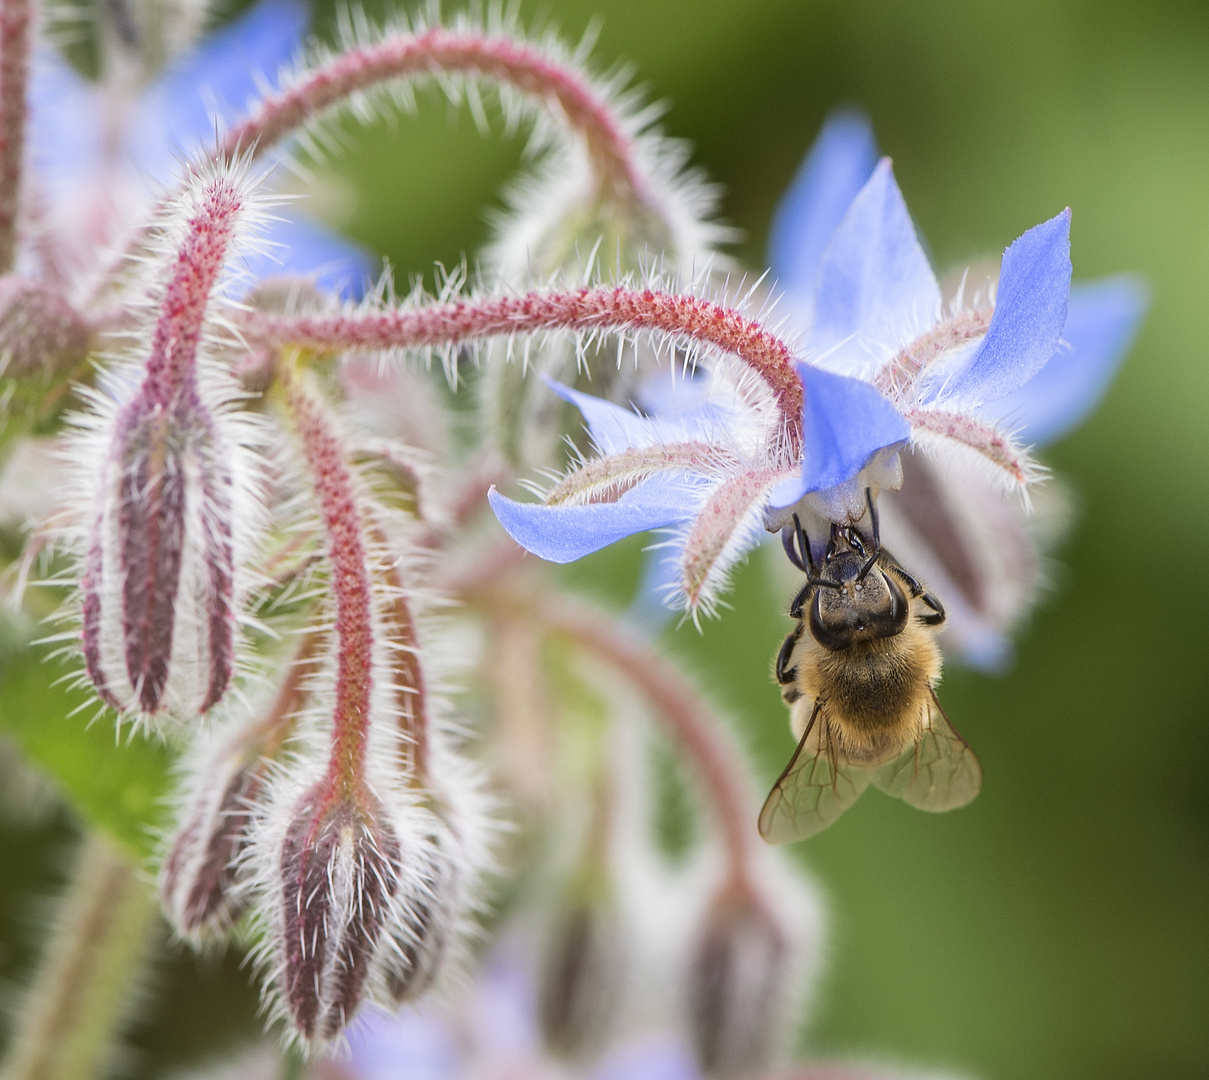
{"x": 411, "y": 689}
{"x": 67, "y": 1025}
{"x": 16, "y": 33}
{"x": 333, "y": 486}
{"x": 688, "y": 318}
{"x": 441, "y": 51}
{"x": 690, "y": 719}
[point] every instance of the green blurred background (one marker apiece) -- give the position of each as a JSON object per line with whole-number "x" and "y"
{"x": 1060, "y": 926}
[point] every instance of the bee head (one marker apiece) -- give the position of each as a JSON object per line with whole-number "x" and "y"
{"x": 849, "y": 608}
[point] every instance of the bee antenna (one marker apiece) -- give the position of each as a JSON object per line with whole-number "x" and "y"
{"x": 803, "y": 546}
{"x": 875, "y": 523}
{"x": 787, "y": 542}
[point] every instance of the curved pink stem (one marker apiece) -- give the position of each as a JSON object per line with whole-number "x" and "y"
{"x": 605, "y": 308}
{"x": 512, "y": 62}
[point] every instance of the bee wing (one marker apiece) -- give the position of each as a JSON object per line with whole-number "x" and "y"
{"x": 815, "y": 788}
{"x": 938, "y": 772}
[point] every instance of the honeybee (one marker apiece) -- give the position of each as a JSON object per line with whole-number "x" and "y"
{"x": 859, "y": 674}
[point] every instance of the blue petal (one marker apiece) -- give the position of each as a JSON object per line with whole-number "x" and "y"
{"x": 65, "y": 131}
{"x": 653, "y": 1057}
{"x": 300, "y": 245}
{"x": 876, "y": 291}
{"x": 689, "y": 415}
{"x": 613, "y": 429}
{"x": 562, "y": 534}
{"x": 1102, "y": 320}
{"x": 1030, "y": 311}
{"x": 844, "y": 423}
{"x": 408, "y": 1046}
{"x": 837, "y": 167}
{"x": 217, "y": 81}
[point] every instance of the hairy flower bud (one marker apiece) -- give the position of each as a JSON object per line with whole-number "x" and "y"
{"x": 41, "y": 334}
{"x": 427, "y": 920}
{"x": 584, "y": 978}
{"x": 165, "y": 477}
{"x": 737, "y": 986}
{"x": 197, "y": 883}
{"x": 340, "y": 866}
{"x": 159, "y": 625}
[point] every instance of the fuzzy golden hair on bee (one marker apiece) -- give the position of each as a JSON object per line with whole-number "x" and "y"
{"x": 859, "y": 673}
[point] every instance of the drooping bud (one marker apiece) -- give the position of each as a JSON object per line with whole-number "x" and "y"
{"x": 737, "y": 986}
{"x": 41, "y": 335}
{"x": 225, "y": 781}
{"x": 158, "y": 589}
{"x": 159, "y": 624}
{"x": 340, "y": 868}
{"x": 426, "y": 922}
{"x": 198, "y": 884}
{"x": 583, "y": 980}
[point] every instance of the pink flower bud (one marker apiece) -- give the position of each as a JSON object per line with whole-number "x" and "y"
{"x": 159, "y": 626}
{"x": 738, "y": 986}
{"x": 198, "y": 885}
{"x": 340, "y": 867}
{"x": 583, "y": 978}
{"x": 426, "y": 923}
{"x": 41, "y": 334}
{"x": 159, "y": 578}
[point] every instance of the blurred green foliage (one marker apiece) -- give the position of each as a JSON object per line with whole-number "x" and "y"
{"x": 1057, "y": 928}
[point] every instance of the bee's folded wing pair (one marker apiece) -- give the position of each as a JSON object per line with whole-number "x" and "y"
{"x": 937, "y": 772}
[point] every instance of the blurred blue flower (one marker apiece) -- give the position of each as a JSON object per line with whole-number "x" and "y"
{"x": 491, "y": 1033}
{"x": 1023, "y": 371}
{"x": 103, "y": 151}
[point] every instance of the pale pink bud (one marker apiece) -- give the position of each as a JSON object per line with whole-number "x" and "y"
{"x": 158, "y": 586}
{"x": 738, "y": 985}
{"x": 340, "y": 867}
{"x": 584, "y": 978}
{"x": 224, "y": 780}
{"x": 198, "y": 885}
{"x": 41, "y": 334}
{"x": 425, "y": 925}
{"x": 199, "y": 880}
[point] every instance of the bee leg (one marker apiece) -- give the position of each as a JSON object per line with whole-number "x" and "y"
{"x": 799, "y": 601}
{"x": 936, "y": 606}
{"x": 786, "y": 674}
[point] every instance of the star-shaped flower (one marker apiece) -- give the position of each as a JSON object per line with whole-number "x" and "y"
{"x": 949, "y": 521}
{"x": 103, "y": 151}
{"x": 889, "y": 366}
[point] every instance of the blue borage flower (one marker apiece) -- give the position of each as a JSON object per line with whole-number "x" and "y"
{"x": 981, "y": 552}
{"x": 891, "y": 366}
{"x": 96, "y": 181}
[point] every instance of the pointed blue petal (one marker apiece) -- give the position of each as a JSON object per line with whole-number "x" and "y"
{"x": 837, "y": 167}
{"x": 876, "y": 291}
{"x": 680, "y": 407}
{"x": 844, "y": 423}
{"x": 613, "y": 429}
{"x": 1030, "y": 311}
{"x": 304, "y": 247}
{"x": 217, "y": 81}
{"x": 1102, "y": 320}
{"x": 562, "y": 534}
